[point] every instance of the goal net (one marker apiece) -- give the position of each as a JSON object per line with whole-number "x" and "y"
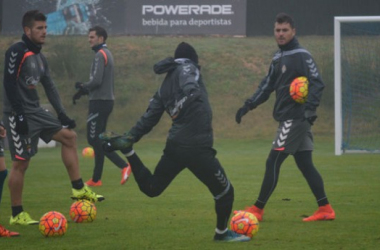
{"x": 357, "y": 84}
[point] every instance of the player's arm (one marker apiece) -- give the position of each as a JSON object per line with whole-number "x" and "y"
{"x": 316, "y": 86}
{"x": 12, "y": 67}
{"x": 188, "y": 83}
{"x": 265, "y": 88}
{"x": 50, "y": 89}
{"x": 2, "y": 129}
{"x": 54, "y": 98}
{"x": 149, "y": 119}
{"x": 97, "y": 72}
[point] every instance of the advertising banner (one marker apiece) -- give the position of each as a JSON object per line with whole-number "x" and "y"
{"x": 132, "y": 17}
{"x": 66, "y": 17}
{"x": 180, "y": 17}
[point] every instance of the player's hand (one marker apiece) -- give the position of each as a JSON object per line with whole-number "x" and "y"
{"x": 66, "y": 121}
{"x": 240, "y": 113}
{"x": 310, "y": 116}
{"x": 77, "y": 96}
{"x": 22, "y": 127}
{"x": 78, "y": 85}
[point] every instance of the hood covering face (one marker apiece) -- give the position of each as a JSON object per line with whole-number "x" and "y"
{"x": 185, "y": 50}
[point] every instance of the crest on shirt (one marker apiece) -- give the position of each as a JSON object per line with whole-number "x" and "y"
{"x": 283, "y": 69}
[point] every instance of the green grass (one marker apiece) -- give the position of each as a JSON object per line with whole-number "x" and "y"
{"x": 183, "y": 216}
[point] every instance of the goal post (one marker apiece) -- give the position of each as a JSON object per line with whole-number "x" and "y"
{"x": 357, "y": 84}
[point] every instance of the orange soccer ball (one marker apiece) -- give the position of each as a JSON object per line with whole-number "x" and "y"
{"x": 299, "y": 89}
{"x": 88, "y": 152}
{"x": 245, "y": 223}
{"x": 53, "y": 224}
{"x": 83, "y": 211}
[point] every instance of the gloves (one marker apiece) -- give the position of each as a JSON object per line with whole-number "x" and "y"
{"x": 240, "y": 113}
{"x": 77, "y": 96}
{"x": 78, "y": 85}
{"x": 21, "y": 124}
{"x": 66, "y": 121}
{"x": 310, "y": 116}
{"x": 81, "y": 91}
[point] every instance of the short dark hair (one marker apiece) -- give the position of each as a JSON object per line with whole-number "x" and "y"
{"x": 100, "y": 31}
{"x": 285, "y": 18}
{"x": 31, "y": 16}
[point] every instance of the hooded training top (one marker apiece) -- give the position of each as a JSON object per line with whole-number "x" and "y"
{"x": 183, "y": 96}
{"x": 288, "y": 63}
{"x": 101, "y": 84}
{"x": 25, "y": 66}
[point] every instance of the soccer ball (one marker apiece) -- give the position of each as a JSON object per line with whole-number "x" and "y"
{"x": 88, "y": 152}
{"x": 245, "y": 223}
{"x": 83, "y": 211}
{"x": 53, "y": 224}
{"x": 299, "y": 89}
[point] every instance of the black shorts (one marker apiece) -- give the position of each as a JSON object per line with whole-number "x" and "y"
{"x": 42, "y": 124}
{"x": 293, "y": 136}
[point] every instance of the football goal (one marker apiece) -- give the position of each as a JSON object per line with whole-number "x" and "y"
{"x": 357, "y": 84}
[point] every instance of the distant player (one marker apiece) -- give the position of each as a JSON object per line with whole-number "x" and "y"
{"x": 100, "y": 90}
{"x": 294, "y": 135}
{"x": 26, "y": 121}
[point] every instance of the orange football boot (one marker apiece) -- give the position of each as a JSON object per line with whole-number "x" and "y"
{"x": 323, "y": 213}
{"x": 125, "y": 173}
{"x": 258, "y": 212}
{"x": 92, "y": 183}
{"x": 6, "y": 233}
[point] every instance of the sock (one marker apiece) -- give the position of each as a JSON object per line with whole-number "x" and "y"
{"x": 129, "y": 153}
{"x": 3, "y": 175}
{"x": 218, "y": 231}
{"x": 323, "y": 202}
{"x": 16, "y": 210}
{"x": 135, "y": 162}
{"x": 78, "y": 184}
{"x": 259, "y": 204}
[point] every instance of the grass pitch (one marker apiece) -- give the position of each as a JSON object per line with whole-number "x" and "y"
{"x": 183, "y": 216}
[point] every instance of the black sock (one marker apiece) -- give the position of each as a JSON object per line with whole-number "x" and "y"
{"x": 323, "y": 202}
{"x": 78, "y": 184}
{"x": 135, "y": 162}
{"x": 16, "y": 210}
{"x": 259, "y": 204}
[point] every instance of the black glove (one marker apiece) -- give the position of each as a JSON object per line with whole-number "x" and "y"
{"x": 21, "y": 124}
{"x": 240, "y": 113}
{"x": 66, "y": 121}
{"x": 310, "y": 116}
{"x": 78, "y": 85}
{"x": 77, "y": 96}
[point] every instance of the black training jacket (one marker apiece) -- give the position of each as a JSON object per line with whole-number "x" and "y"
{"x": 289, "y": 62}
{"x": 24, "y": 67}
{"x": 183, "y": 96}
